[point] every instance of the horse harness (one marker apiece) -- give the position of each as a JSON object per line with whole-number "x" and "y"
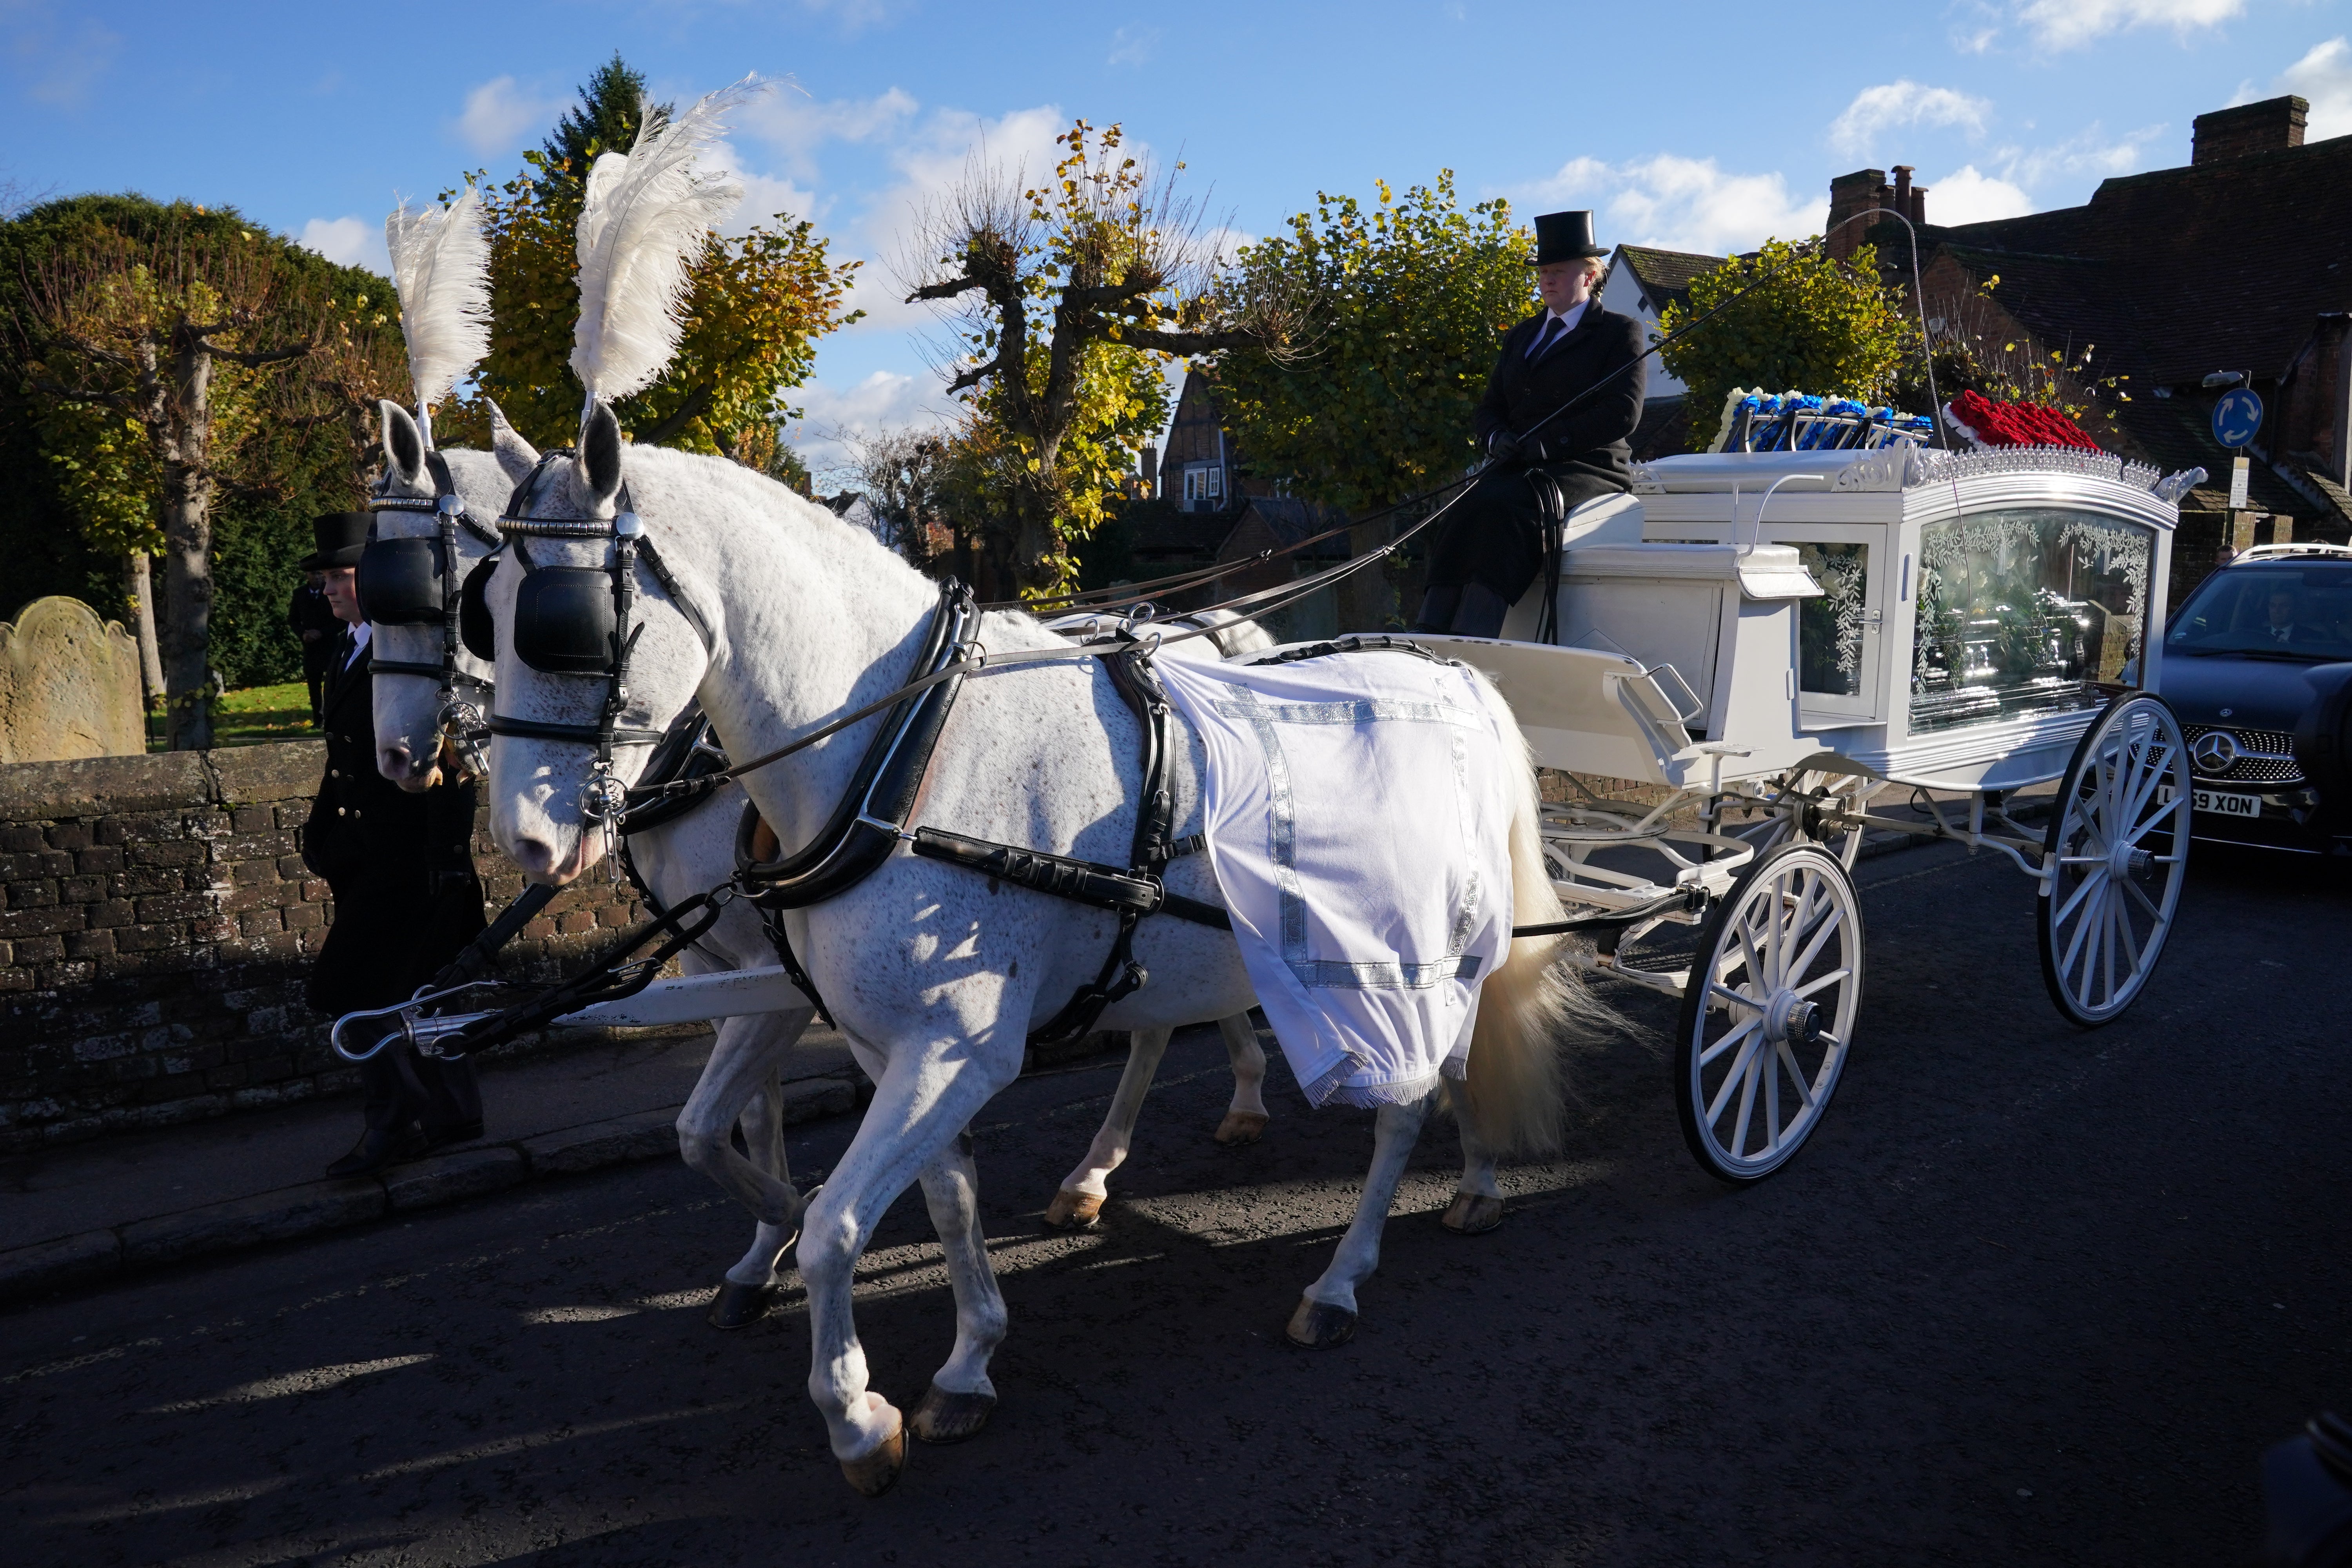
{"x": 575, "y": 620}
{"x": 412, "y": 582}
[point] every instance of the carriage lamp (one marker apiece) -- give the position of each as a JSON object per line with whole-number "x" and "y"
{"x": 2216, "y": 379}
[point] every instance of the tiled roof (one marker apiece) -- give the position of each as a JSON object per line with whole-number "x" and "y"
{"x": 1665, "y": 275}
{"x": 2181, "y": 271}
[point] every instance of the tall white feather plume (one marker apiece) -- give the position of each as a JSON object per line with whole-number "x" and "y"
{"x": 641, "y": 225}
{"x": 441, "y": 266}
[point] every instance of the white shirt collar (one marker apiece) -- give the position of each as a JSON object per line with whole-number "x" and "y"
{"x": 1574, "y": 314}
{"x": 358, "y": 641}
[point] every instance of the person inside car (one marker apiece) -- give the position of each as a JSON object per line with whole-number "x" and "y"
{"x": 2285, "y": 622}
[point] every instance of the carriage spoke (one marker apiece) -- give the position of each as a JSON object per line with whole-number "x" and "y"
{"x": 2153, "y": 912}
{"x": 2107, "y": 917}
{"x": 2124, "y": 929}
{"x": 1751, "y": 1061}
{"x": 1813, "y": 949}
{"x": 2089, "y": 882}
{"x": 1731, "y": 1081}
{"x": 1797, "y": 1075}
{"x": 2082, "y": 935}
{"x": 1770, "y": 1067}
{"x": 1832, "y": 978}
{"x": 1737, "y": 998}
{"x": 1725, "y": 1044}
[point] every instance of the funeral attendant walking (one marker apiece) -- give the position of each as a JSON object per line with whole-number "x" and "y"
{"x": 400, "y": 867}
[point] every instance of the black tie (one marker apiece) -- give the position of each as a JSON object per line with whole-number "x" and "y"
{"x": 1552, "y": 328}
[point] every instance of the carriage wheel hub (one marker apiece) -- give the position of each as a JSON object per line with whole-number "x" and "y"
{"x": 1790, "y": 1017}
{"x": 2127, "y": 861}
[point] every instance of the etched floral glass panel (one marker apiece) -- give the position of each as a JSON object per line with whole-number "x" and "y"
{"x": 2024, "y": 611}
{"x": 1829, "y": 628}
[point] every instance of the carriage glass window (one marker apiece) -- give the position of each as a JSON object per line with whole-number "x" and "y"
{"x": 2297, "y": 612}
{"x": 2022, "y": 610}
{"x": 1829, "y": 628}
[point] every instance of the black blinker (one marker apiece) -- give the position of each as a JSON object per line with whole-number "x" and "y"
{"x": 476, "y": 628}
{"x": 564, "y": 621}
{"x": 399, "y": 582}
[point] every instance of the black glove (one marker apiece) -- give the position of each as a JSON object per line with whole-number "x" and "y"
{"x": 1504, "y": 446}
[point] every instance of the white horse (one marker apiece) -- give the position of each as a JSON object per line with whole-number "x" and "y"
{"x": 935, "y": 973}
{"x": 739, "y": 1085}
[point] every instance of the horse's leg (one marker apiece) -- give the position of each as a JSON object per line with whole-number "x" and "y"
{"x": 1079, "y": 1203}
{"x": 926, "y": 1094}
{"x": 1327, "y": 1313}
{"x": 957, "y": 1404}
{"x": 1477, "y": 1204}
{"x": 742, "y": 1062}
{"x": 1246, "y": 1118}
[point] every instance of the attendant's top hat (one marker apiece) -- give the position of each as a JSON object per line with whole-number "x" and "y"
{"x": 340, "y": 537}
{"x": 1565, "y": 237}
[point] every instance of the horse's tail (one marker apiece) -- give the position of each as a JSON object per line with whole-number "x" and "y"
{"x": 1514, "y": 1096}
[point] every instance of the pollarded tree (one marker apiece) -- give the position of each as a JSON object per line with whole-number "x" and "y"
{"x": 1056, "y": 289}
{"x": 1818, "y": 325}
{"x": 1413, "y": 297}
{"x": 754, "y": 310}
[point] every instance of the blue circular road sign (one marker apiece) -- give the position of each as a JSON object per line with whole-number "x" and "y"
{"x": 2237, "y": 417}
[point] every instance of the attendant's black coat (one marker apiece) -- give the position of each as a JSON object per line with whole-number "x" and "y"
{"x": 401, "y": 865}
{"x": 1494, "y": 537}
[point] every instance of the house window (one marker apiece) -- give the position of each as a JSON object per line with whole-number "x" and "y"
{"x": 1216, "y": 478}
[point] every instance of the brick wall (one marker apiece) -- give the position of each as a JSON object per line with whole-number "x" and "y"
{"x": 156, "y": 928}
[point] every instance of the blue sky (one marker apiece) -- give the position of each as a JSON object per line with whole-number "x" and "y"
{"x": 1696, "y": 126}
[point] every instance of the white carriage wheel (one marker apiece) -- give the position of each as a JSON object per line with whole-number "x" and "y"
{"x": 2119, "y": 854}
{"x": 1768, "y": 1014}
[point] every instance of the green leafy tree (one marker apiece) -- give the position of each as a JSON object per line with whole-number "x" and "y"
{"x": 1070, "y": 294}
{"x": 755, "y": 307}
{"x": 1412, "y": 299}
{"x": 152, "y": 348}
{"x": 1820, "y": 325}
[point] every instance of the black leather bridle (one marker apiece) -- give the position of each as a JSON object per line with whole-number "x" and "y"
{"x": 414, "y": 582}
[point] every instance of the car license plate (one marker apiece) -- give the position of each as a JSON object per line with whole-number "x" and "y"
{"x": 2219, "y": 803}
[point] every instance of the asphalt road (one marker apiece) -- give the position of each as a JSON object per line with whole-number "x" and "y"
{"x": 2033, "y": 1296}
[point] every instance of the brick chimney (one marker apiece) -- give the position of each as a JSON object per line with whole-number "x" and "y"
{"x": 2272, "y": 125}
{"x": 1850, "y": 195}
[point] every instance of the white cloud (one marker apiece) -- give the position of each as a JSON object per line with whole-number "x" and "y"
{"x": 795, "y": 126}
{"x": 2070, "y": 24}
{"x": 2325, "y": 77}
{"x": 350, "y": 241}
{"x": 59, "y": 65}
{"x": 1681, "y": 204}
{"x": 1878, "y": 109}
{"x": 498, "y": 115}
{"x": 1972, "y": 196}
{"x": 2088, "y": 153}
{"x": 834, "y": 419}
{"x": 1133, "y": 46}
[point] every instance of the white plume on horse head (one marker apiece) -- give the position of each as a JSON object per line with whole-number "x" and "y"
{"x": 441, "y": 267}
{"x": 642, "y": 222}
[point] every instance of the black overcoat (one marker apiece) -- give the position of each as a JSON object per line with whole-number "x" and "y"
{"x": 1496, "y": 536}
{"x": 401, "y": 865}
{"x": 1593, "y": 439}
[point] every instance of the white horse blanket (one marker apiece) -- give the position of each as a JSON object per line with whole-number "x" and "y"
{"x": 1359, "y": 820}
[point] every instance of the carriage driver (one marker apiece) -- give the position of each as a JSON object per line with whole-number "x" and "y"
{"x": 1493, "y": 545}
{"x": 400, "y": 867}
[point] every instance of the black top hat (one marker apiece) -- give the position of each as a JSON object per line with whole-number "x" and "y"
{"x": 340, "y": 537}
{"x": 1565, "y": 237}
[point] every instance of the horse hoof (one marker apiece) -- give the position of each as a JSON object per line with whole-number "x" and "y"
{"x": 1473, "y": 1214}
{"x": 878, "y": 1471}
{"x": 1319, "y": 1326}
{"x": 741, "y": 1306}
{"x": 944, "y": 1417}
{"x": 1073, "y": 1211}
{"x": 1240, "y": 1127}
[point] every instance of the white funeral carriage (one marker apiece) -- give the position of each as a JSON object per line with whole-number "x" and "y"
{"x": 1782, "y": 642}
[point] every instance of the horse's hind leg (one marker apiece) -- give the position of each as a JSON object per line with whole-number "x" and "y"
{"x": 957, "y": 1404}
{"x": 743, "y": 1064}
{"x": 1327, "y": 1313}
{"x": 1079, "y": 1203}
{"x": 928, "y": 1094}
{"x": 1477, "y": 1204}
{"x": 1246, "y": 1118}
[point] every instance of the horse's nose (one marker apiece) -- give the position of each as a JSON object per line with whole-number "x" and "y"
{"x": 537, "y": 858}
{"x": 393, "y": 762}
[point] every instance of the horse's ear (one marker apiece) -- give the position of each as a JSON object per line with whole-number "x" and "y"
{"x": 599, "y": 463}
{"x": 516, "y": 457}
{"x": 404, "y": 444}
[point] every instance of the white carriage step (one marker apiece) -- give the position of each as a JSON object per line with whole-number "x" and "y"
{"x": 698, "y": 998}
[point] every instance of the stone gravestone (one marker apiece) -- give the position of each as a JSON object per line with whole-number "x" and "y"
{"x": 69, "y": 686}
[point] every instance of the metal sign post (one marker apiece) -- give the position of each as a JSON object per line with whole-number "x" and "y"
{"x": 2237, "y": 419}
